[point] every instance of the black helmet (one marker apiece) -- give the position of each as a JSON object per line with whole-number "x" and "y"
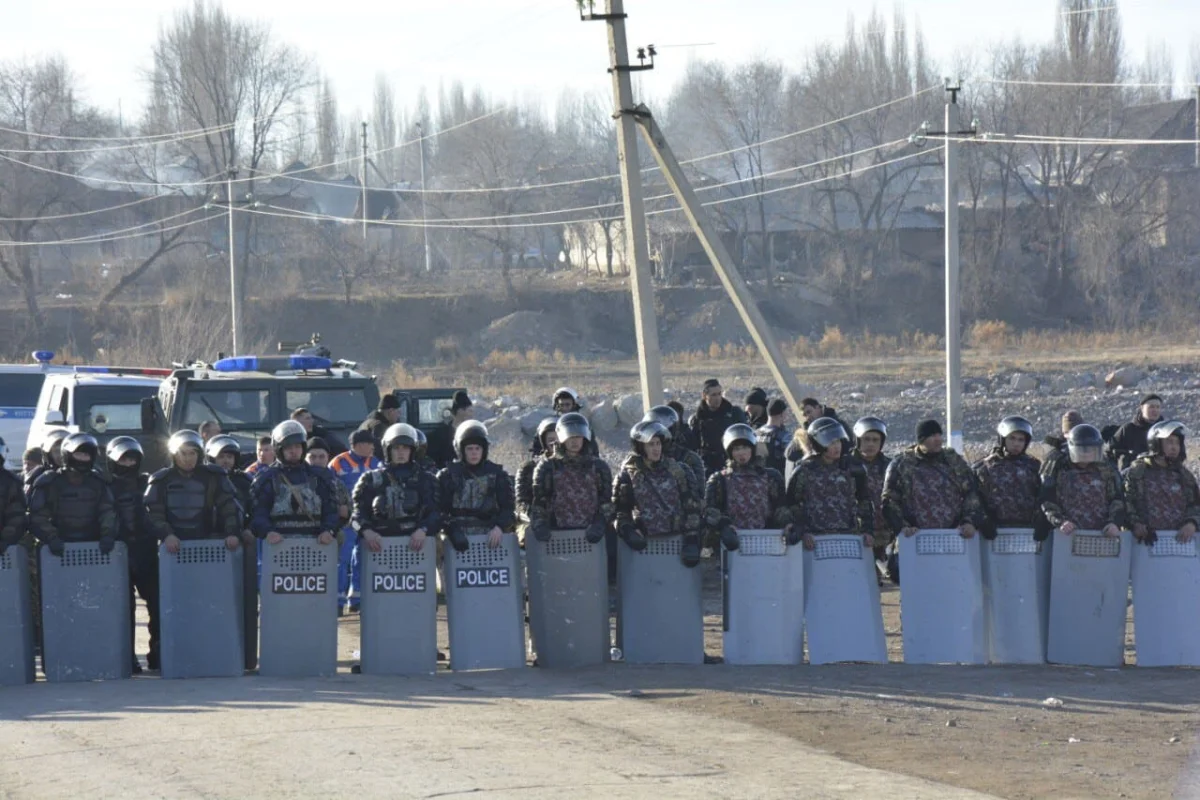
{"x": 121, "y": 446}
{"x": 53, "y": 438}
{"x": 1163, "y": 430}
{"x": 1085, "y": 444}
{"x": 644, "y": 432}
{"x": 870, "y": 425}
{"x": 573, "y": 424}
{"x": 182, "y": 439}
{"x": 544, "y": 427}
{"x": 741, "y": 432}
{"x": 80, "y": 443}
{"x": 1014, "y": 424}
{"x": 665, "y": 416}
{"x": 824, "y": 431}
{"x": 470, "y": 432}
{"x": 220, "y": 444}
{"x": 287, "y": 433}
{"x": 399, "y": 434}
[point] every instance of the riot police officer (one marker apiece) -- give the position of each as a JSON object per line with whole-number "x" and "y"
{"x": 192, "y": 500}
{"x": 1084, "y": 491}
{"x": 475, "y": 493}
{"x": 545, "y": 441}
{"x": 291, "y": 497}
{"x": 571, "y": 487}
{"x": 654, "y": 496}
{"x": 12, "y": 510}
{"x": 1160, "y": 491}
{"x": 128, "y": 485}
{"x": 829, "y": 493}
{"x": 51, "y": 457}
{"x": 745, "y": 495}
{"x": 399, "y": 499}
{"x": 73, "y": 503}
{"x": 1009, "y": 480}
{"x": 224, "y": 451}
{"x": 675, "y": 447}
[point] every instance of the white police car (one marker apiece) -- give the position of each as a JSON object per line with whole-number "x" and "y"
{"x": 20, "y": 385}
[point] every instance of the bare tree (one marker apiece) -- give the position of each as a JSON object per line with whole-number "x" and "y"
{"x": 233, "y": 80}
{"x": 386, "y": 126}
{"x": 38, "y": 101}
{"x": 329, "y": 137}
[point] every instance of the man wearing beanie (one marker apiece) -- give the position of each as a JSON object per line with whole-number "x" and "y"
{"x": 441, "y": 438}
{"x": 349, "y": 467}
{"x": 713, "y": 417}
{"x": 380, "y": 420}
{"x": 929, "y": 486}
{"x": 756, "y": 407}
{"x": 1129, "y": 441}
{"x": 1057, "y": 442}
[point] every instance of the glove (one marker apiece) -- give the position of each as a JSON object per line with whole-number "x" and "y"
{"x": 690, "y": 553}
{"x": 541, "y": 532}
{"x": 3, "y": 546}
{"x": 988, "y": 530}
{"x": 56, "y": 547}
{"x": 1042, "y": 529}
{"x": 1151, "y": 537}
{"x": 633, "y": 537}
{"x": 595, "y": 532}
{"x": 792, "y": 535}
{"x": 107, "y": 543}
{"x": 729, "y": 538}
{"x": 458, "y": 539}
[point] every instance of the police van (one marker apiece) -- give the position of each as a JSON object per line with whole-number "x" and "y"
{"x": 20, "y": 385}
{"x": 248, "y": 395}
{"x": 105, "y": 402}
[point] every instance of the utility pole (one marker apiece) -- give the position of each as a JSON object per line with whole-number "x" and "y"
{"x": 235, "y": 279}
{"x": 637, "y": 248}
{"x": 364, "y": 180}
{"x": 1196, "y": 131}
{"x": 954, "y": 424}
{"x": 730, "y": 277}
{"x": 424, "y": 226}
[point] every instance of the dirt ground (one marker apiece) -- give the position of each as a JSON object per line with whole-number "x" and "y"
{"x": 979, "y": 728}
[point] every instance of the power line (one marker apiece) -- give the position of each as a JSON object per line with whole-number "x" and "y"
{"x": 120, "y": 234}
{"x": 1076, "y": 84}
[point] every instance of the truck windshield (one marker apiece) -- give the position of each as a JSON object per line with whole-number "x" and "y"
{"x": 337, "y": 405}
{"x": 20, "y": 390}
{"x": 233, "y": 408}
{"x": 111, "y": 409}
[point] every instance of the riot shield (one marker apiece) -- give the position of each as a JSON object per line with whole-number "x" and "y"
{"x": 941, "y": 598}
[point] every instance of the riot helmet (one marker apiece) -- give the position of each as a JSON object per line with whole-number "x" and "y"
{"x": 1085, "y": 445}
{"x": 570, "y": 425}
{"x": 824, "y": 431}
{"x": 222, "y": 444}
{"x": 120, "y": 447}
{"x": 422, "y": 445}
{"x": 741, "y": 432}
{"x": 286, "y": 433}
{"x": 565, "y": 393}
{"x": 1014, "y": 424}
{"x": 665, "y": 416}
{"x": 77, "y": 444}
{"x": 1160, "y": 431}
{"x": 52, "y": 447}
{"x": 399, "y": 434}
{"x": 546, "y": 426}
{"x": 644, "y": 432}
{"x": 470, "y": 432}
{"x": 870, "y": 425}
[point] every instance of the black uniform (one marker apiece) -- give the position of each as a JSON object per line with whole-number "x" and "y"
{"x": 201, "y": 504}
{"x": 475, "y": 499}
{"x": 137, "y": 531}
{"x": 441, "y": 445}
{"x": 375, "y": 424}
{"x": 241, "y": 483}
{"x": 69, "y": 506}
{"x": 709, "y": 427}
{"x": 12, "y": 510}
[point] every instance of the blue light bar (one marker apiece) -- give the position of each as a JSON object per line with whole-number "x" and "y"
{"x": 272, "y": 363}
{"x": 43, "y": 356}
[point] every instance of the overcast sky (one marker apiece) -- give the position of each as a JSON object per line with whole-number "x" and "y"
{"x": 514, "y": 48}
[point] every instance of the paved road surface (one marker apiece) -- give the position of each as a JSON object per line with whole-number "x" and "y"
{"x": 530, "y": 734}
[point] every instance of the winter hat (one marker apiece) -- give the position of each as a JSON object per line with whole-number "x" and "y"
{"x": 777, "y": 407}
{"x": 362, "y": 436}
{"x": 317, "y": 443}
{"x": 388, "y": 401}
{"x": 1070, "y": 420}
{"x": 460, "y": 401}
{"x": 927, "y": 428}
{"x": 757, "y": 397}
{"x": 1148, "y": 398}
{"x": 712, "y": 383}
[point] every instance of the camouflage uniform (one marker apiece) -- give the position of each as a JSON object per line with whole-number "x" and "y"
{"x": 476, "y": 499}
{"x": 656, "y": 498}
{"x": 1089, "y": 495}
{"x": 524, "y": 494}
{"x": 1009, "y": 488}
{"x": 830, "y": 498}
{"x": 930, "y": 490}
{"x": 749, "y": 498}
{"x": 876, "y": 469}
{"x": 1161, "y": 497}
{"x": 571, "y": 492}
{"x": 690, "y": 460}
